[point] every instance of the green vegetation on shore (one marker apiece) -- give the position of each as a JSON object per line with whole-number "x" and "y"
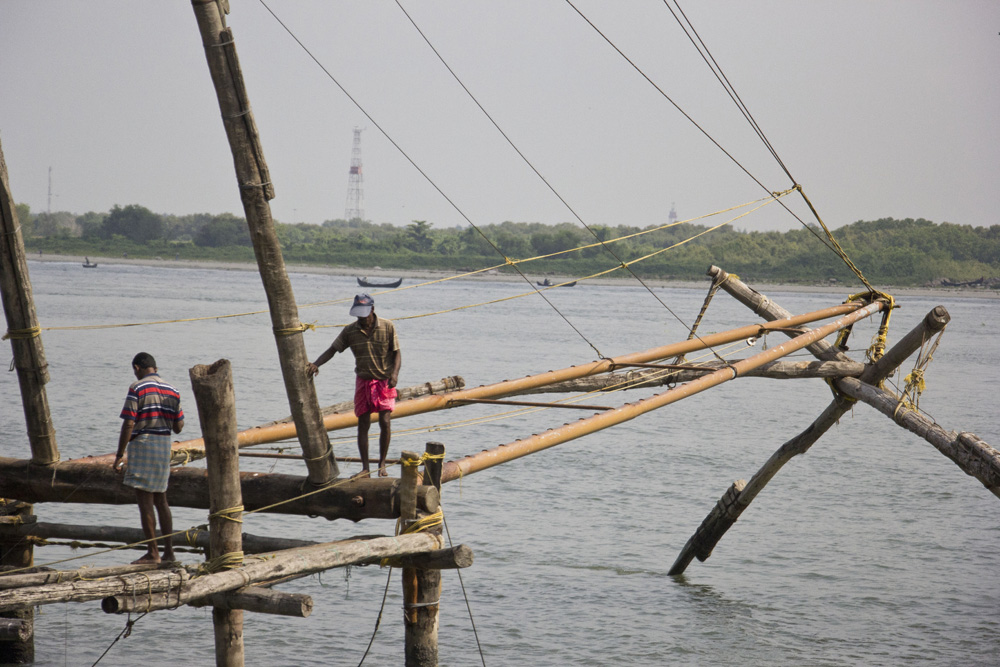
{"x": 889, "y": 252}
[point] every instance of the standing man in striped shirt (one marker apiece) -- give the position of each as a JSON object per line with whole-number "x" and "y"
{"x": 377, "y": 361}
{"x": 152, "y": 411}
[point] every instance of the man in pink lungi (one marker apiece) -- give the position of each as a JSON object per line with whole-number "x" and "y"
{"x": 377, "y": 361}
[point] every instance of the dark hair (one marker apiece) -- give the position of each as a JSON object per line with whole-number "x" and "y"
{"x": 144, "y": 360}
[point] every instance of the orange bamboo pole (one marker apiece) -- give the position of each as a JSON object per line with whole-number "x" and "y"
{"x": 508, "y": 452}
{"x": 273, "y": 433}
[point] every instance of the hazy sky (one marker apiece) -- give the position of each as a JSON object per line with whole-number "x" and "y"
{"x": 878, "y": 108}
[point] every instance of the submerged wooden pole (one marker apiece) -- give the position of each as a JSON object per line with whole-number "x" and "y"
{"x": 255, "y": 191}
{"x": 23, "y": 331}
{"x": 17, "y": 553}
{"x": 213, "y": 391}
{"x": 510, "y": 451}
{"x": 728, "y": 510}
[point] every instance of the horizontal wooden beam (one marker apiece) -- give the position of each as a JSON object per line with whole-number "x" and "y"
{"x": 284, "y": 563}
{"x": 15, "y": 630}
{"x": 251, "y": 598}
{"x": 531, "y": 404}
{"x": 443, "y": 559}
{"x": 87, "y": 480}
{"x": 252, "y": 544}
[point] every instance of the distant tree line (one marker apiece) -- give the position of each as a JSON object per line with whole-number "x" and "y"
{"x": 888, "y": 251}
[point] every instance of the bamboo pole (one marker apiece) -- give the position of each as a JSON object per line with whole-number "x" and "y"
{"x": 508, "y": 452}
{"x": 424, "y": 404}
{"x": 307, "y": 560}
{"x": 255, "y": 191}
{"x": 442, "y": 386}
{"x": 22, "y": 329}
{"x": 252, "y": 544}
{"x": 213, "y": 391}
{"x": 17, "y": 553}
{"x": 725, "y": 514}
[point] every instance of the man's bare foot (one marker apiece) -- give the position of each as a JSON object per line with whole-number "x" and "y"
{"x": 148, "y": 558}
{"x": 362, "y": 475}
{"x": 382, "y": 472}
{"x": 169, "y": 557}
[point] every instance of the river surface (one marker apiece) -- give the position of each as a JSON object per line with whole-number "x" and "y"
{"x": 871, "y": 549}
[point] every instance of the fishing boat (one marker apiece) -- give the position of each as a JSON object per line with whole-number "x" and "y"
{"x": 549, "y": 283}
{"x": 385, "y": 284}
{"x": 87, "y": 264}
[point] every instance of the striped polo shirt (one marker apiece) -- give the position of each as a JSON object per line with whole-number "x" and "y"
{"x": 372, "y": 352}
{"x": 153, "y": 405}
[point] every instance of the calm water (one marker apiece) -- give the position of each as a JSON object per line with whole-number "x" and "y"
{"x": 872, "y": 549}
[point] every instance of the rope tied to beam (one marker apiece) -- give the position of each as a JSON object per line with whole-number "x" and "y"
{"x": 228, "y": 561}
{"x": 914, "y": 382}
{"x": 22, "y": 334}
{"x": 294, "y": 330}
{"x": 225, "y": 514}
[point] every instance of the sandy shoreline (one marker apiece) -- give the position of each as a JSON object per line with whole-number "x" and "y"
{"x": 425, "y": 274}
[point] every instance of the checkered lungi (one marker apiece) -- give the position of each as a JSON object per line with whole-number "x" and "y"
{"x": 148, "y": 467}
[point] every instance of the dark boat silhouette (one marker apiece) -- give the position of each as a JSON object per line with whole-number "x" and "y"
{"x": 387, "y": 284}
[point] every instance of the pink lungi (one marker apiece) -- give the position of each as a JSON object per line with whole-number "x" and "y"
{"x": 373, "y": 396}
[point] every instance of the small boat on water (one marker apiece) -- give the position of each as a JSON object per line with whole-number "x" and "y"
{"x": 87, "y": 264}
{"x": 549, "y": 283}
{"x": 386, "y": 284}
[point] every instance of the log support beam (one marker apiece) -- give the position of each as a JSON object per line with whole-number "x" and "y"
{"x": 91, "y": 480}
{"x": 984, "y": 463}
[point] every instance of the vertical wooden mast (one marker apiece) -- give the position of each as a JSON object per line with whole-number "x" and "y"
{"x": 23, "y": 331}
{"x": 255, "y": 191}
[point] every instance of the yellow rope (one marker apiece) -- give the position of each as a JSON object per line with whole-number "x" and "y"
{"x": 227, "y": 561}
{"x": 225, "y": 514}
{"x": 836, "y": 246}
{"x": 294, "y": 330}
{"x": 21, "y": 334}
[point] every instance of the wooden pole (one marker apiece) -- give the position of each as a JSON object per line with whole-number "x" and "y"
{"x": 260, "y": 600}
{"x": 213, "y": 391}
{"x": 135, "y": 585}
{"x": 422, "y": 627}
{"x": 90, "y": 481}
{"x": 513, "y": 450}
{"x": 16, "y": 553}
{"x": 252, "y": 544}
{"x": 726, "y": 513}
{"x": 763, "y": 306}
{"x": 255, "y": 191}
{"x": 22, "y": 329}
{"x": 8, "y": 581}
{"x": 306, "y": 560}
{"x": 970, "y": 453}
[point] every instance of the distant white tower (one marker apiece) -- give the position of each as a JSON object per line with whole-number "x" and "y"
{"x": 355, "y": 182}
{"x": 672, "y": 218}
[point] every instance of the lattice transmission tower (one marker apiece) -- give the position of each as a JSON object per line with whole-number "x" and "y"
{"x": 355, "y": 182}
